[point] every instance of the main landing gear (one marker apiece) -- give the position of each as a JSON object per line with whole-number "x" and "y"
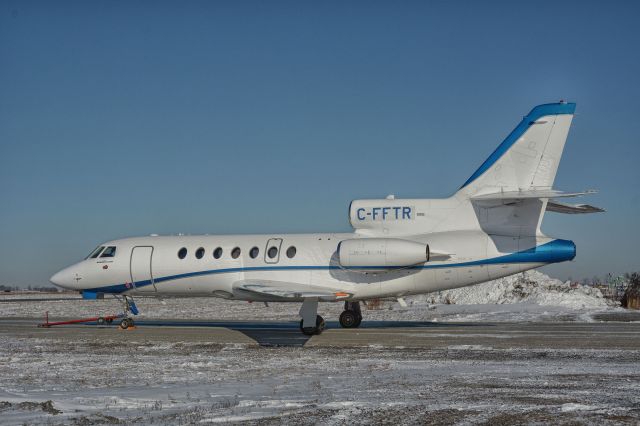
{"x": 351, "y": 317}
{"x": 311, "y": 323}
{"x": 129, "y": 308}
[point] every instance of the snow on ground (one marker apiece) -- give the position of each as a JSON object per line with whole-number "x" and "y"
{"x": 97, "y": 382}
{"x": 531, "y": 287}
{"x": 102, "y": 379}
{"x": 531, "y": 296}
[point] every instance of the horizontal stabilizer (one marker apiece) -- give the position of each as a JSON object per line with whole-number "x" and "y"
{"x": 555, "y": 206}
{"x": 270, "y": 290}
{"x": 531, "y": 193}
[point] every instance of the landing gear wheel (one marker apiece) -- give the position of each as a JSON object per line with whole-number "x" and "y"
{"x": 310, "y": 331}
{"x": 349, "y": 319}
{"x": 359, "y": 321}
{"x": 126, "y": 323}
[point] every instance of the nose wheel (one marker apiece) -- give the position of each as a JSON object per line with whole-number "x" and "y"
{"x": 129, "y": 308}
{"x": 351, "y": 317}
{"x": 126, "y": 323}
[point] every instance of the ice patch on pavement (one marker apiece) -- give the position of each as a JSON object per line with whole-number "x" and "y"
{"x": 577, "y": 407}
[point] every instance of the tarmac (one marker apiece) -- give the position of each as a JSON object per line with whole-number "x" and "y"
{"x": 381, "y": 334}
{"x": 171, "y": 371}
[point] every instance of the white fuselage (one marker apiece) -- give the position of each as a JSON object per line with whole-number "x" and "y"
{"x": 152, "y": 266}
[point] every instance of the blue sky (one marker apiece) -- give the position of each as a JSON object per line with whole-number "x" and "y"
{"x": 129, "y": 118}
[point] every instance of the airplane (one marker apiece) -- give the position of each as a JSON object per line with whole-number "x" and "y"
{"x": 488, "y": 229}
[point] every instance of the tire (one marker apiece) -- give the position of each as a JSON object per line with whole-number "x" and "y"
{"x": 349, "y": 319}
{"x": 126, "y": 323}
{"x": 310, "y": 331}
{"x": 100, "y": 321}
{"x": 320, "y": 324}
{"x": 359, "y": 321}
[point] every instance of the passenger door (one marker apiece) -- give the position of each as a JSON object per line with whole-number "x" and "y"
{"x": 141, "y": 274}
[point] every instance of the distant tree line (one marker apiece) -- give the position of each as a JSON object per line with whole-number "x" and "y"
{"x": 43, "y": 289}
{"x": 631, "y": 297}
{"x": 609, "y": 279}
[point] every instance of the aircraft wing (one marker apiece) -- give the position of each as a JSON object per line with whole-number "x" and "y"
{"x": 265, "y": 290}
{"x": 531, "y": 193}
{"x": 555, "y": 206}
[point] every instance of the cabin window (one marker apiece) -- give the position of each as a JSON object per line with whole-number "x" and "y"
{"x": 217, "y": 253}
{"x": 200, "y": 253}
{"x": 235, "y": 253}
{"x": 95, "y": 252}
{"x": 182, "y": 253}
{"x": 291, "y": 252}
{"x": 109, "y": 252}
{"x": 254, "y": 252}
{"x": 273, "y": 252}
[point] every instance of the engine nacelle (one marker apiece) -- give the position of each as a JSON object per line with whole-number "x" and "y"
{"x": 383, "y": 252}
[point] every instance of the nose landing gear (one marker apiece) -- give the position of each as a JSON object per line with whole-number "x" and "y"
{"x": 126, "y": 323}
{"x": 129, "y": 308}
{"x": 351, "y": 317}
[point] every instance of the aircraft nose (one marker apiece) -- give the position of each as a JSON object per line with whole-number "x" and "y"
{"x": 66, "y": 278}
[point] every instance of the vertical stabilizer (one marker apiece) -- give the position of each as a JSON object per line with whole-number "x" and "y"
{"x": 528, "y": 158}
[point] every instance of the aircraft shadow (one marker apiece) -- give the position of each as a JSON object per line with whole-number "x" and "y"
{"x": 287, "y": 333}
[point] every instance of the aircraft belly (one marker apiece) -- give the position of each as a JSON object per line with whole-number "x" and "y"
{"x": 446, "y": 277}
{"x": 505, "y": 269}
{"x": 402, "y": 285}
{"x": 425, "y": 281}
{"x": 472, "y": 274}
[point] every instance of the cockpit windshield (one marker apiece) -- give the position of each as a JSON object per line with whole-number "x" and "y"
{"x": 109, "y": 252}
{"x": 95, "y": 253}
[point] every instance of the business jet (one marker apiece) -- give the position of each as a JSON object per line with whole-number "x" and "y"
{"x": 489, "y": 228}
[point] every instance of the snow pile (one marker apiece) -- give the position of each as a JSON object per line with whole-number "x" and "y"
{"x": 531, "y": 287}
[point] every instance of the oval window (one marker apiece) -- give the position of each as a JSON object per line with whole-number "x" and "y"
{"x": 273, "y": 252}
{"x": 254, "y": 252}
{"x": 291, "y": 252}
{"x": 200, "y": 253}
{"x": 235, "y": 253}
{"x": 217, "y": 253}
{"x": 182, "y": 253}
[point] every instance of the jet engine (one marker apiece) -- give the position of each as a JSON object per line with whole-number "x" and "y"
{"x": 381, "y": 252}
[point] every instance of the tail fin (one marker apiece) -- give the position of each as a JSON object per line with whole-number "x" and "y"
{"x": 528, "y": 158}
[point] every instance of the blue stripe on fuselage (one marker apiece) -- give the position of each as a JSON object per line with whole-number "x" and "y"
{"x": 551, "y": 252}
